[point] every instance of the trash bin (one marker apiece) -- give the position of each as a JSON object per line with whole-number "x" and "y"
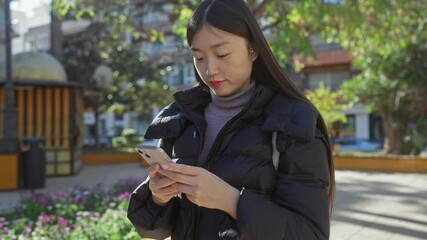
{"x": 34, "y": 162}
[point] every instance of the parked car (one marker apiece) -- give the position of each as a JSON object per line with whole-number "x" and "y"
{"x": 357, "y": 144}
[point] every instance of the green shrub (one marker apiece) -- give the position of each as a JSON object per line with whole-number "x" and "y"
{"x": 128, "y": 138}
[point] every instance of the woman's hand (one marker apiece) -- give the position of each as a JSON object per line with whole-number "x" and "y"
{"x": 202, "y": 187}
{"x": 160, "y": 186}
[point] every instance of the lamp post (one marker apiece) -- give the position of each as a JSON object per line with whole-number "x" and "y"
{"x": 9, "y": 142}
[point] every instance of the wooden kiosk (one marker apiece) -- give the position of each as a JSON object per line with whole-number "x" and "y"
{"x": 49, "y": 107}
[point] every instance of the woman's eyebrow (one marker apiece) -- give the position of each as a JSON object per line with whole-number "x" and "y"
{"x": 194, "y": 49}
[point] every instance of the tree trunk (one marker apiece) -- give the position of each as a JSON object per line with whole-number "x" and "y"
{"x": 392, "y": 142}
{"x": 398, "y": 112}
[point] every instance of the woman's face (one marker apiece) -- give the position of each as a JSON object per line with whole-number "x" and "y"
{"x": 222, "y": 60}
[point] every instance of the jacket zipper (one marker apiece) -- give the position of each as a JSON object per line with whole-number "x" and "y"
{"x": 220, "y": 136}
{"x": 196, "y": 124}
{"x": 215, "y": 145}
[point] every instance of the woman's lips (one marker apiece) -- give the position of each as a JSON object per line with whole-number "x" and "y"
{"x": 216, "y": 84}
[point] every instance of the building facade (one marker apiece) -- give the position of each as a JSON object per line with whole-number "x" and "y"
{"x": 332, "y": 66}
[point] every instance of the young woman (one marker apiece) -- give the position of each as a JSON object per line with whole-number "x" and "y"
{"x": 224, "y": 133}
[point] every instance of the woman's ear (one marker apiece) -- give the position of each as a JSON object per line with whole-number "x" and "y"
{"x": 253, "y": 51}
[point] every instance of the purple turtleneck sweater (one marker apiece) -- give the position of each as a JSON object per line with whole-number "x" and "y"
{"x": 219, "y": 112}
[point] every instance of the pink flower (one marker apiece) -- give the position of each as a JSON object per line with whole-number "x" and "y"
{"x": 28, "y": 229}
{"x": 124, "y": 196}
{"x": 62, "y": 222}
{"x": 45, "y": 219}
{"x": 43, "y": 200}
{"x": 59, "y": 194}
{"x": 74, "y": 226}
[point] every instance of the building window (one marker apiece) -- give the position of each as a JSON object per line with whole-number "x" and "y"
{"x": 118, "y": 117}
{"x": 332, "y": 80}
{"x": 348, "y": 129}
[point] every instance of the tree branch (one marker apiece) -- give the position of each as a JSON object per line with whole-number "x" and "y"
{"x": 271, "y": 25}
{"x": 260, "y": 9}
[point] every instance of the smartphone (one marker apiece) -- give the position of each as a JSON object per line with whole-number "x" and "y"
{"x": 153, "y": 154}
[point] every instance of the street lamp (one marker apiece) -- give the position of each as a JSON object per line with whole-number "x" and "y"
{"x": 9, "y": 142}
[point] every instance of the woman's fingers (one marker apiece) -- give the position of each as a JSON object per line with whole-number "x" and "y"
{"x": 182, "y": 168}
{"x": 184, "y": 188}
{"x": 179, "y": 177}
{"x": 152, "y": 170}
{"x": 161, "y": 188}
{"x": 161, "y": 182}
{"x": 201, "y": 187}
{"x": 164, "y": 195}
{"x": 166, "y": 192}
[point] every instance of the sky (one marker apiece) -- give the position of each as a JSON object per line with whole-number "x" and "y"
{"x": 27, "y": 6}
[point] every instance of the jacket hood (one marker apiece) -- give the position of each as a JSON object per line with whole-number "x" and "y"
{"x": 292, "y": 117}
{"x": 174, "y": 117}
{"x": 282, "y": 114}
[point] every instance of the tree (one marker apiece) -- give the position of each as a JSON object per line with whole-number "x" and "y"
{"x": 82, "y": 54}
{"x": 112, "y": 18}
{"x": 281, "y": 21}
{"x": 114, "y": 38}
{"x": 388, "y": 41}
{"x": 328, "y": 104}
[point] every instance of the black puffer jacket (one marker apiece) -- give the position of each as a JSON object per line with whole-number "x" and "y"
{"x": 290, "y": 203}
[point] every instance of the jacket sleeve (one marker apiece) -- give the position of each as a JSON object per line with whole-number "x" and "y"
{"x": 299, "y": 208}
{"x": 149, "y": 219}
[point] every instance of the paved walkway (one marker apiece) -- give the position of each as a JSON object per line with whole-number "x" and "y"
{"x": 378, "y": 206}
{"x": 389, "y": 206}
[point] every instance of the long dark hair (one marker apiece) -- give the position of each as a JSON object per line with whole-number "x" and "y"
{"x": 234, "y": 16}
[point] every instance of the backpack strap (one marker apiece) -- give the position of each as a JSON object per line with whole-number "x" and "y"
{"x": 275, "y": 156}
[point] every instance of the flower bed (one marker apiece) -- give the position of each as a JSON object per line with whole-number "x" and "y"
{"x": 80, "y": 213}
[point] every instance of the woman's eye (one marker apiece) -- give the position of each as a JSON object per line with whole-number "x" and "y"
{"x": 198, "y": 59}
{"x": 222, "y": 55}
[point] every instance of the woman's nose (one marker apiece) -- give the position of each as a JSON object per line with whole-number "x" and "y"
{"x": 211, "y": 68}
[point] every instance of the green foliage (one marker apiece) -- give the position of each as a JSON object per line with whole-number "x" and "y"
{"x": 113, "y": 38}
{"x": 416, "y": 138}
{"x": 137, "y": 86}
{"x": 128, "y": 132}
{"x": 128, "y": 138}
{"x": 283, "y": 22}
{"x": 387, "y": 40}
{"x": 326, "y": 102}
{"x": 113, "y": 224}
{"x": 180, "y": 27}
{"x": 371, "y": 89}
{"x": 82, "y": 54}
